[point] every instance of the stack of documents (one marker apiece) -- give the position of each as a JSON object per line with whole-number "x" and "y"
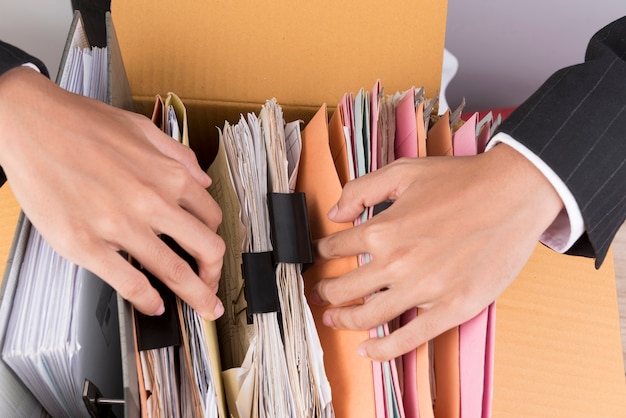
{"x": 62, "y": 329}
{"x": 271, "y": 353}
{"x": 63, "y": 344}
{"x": 178, "y": 352}
{"x": 451, "y": 375}
{"x": 271, "y": 349}
{"x": 85, "y": 67}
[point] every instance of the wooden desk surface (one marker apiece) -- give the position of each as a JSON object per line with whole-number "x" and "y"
{"x": 558, "y": 346}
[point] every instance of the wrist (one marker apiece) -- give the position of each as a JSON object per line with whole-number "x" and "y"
{"x": 569, "y": 225}
{"x": 525, "y": 187}
{"x": 20, "y": 96}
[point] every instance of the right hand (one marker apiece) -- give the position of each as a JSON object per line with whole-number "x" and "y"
{"x": 459, "y": 231}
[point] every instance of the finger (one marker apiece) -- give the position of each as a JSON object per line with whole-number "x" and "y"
{"x": 175, "y": 273}
{"x": 378, "y": 309}
{"x": 369, "y": 190}
{"x": 174, "y": 149}
{"x": 355, "y": 284}
{"x": 189, "y": 159}
{"x": 129, "y": 282}
{"x": 201, "y": 242}
{"x": 199, "y": 202}
{"x": 426, "y": 326}
{"x": 349, "y": 242}
{"x": 355, "y": 197}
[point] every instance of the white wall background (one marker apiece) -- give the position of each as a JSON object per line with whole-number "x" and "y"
{"x": 506, "y": 49}
{"x": 38, "y": 27}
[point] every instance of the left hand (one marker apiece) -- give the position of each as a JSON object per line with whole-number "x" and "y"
{"x": 96, "y": 180}
{"x": 459, "y": 231}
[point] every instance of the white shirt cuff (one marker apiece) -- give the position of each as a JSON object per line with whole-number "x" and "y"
{"x": 31, "y": 65}
{"x": 568, "y": 225}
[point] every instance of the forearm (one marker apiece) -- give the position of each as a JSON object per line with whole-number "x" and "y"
{"x": 575, "y": 123}
{"x": 12, "y": 57}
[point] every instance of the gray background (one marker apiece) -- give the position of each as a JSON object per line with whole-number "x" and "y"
{"x": 506, "y": 49}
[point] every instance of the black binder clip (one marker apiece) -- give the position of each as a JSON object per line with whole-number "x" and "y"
{"x": 379, "y": 207}
{"x": 291, "y": 243}
{"x": 158, "y": 331}
{"x": 163, "y": 330}
{"x": 97, "y": 405}
{"x": 291, "y": 234}
{"x": 260, "y": 287}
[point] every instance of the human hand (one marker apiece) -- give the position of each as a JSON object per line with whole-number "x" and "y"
{"x": 95, "y": 180}
{"x": 459, "y": 231}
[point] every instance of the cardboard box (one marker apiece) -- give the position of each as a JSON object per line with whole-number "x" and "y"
{"x": 224, "y": 58}
{"x": 558, "y": 346}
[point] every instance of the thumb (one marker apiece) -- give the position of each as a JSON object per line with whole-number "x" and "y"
{"x": 373, "y": 188}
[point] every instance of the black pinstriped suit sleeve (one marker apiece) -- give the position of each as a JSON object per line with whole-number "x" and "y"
{"x": 11, "y": 57}
{"x": 576, "y": 123}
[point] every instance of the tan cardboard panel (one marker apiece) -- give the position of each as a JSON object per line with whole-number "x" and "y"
{"x": 9, "y": 212}
{"x": 305, "y": 52}
{"x": 558, "y": 347}
{"x": 223, "y": 58}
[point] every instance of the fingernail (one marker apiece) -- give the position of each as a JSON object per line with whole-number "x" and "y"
{"x": 315, "y": 298}
{"x": 361, "y": 351}
{"x": 333, "y": 212}
{"x": 219, "y": 309}
{"x": 160, "y": 311}
{"x": 328, "y": 320}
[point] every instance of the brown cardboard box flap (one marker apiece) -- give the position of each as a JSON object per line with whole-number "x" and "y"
{"x": 302, "y": 53}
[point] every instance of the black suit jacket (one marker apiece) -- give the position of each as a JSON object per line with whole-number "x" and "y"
{"x": 576, "y": 123}
{"x": 11, "y": 57}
